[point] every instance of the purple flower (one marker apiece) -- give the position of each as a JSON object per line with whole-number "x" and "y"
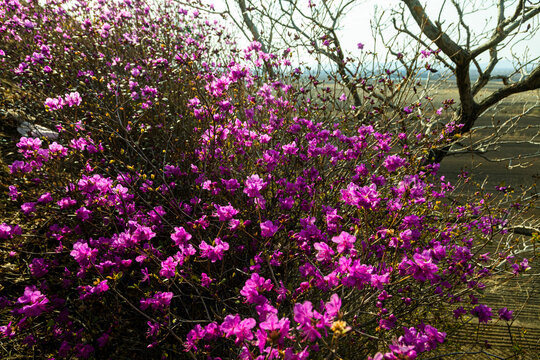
{"x": 142, "y": 233}
{"x": 505, "y": 314}
{"x": 365, "y": 197}
{"x": 483, "y": 313}
{"x": 66, "y": 202}
{"x": 345, "y": 241}
{"x": 268, "y": 229}
{"x": 421, "y": 267}
{"x": 459, "y": 312}
{"x": 214, "y": 253}
{"x": 34, "y": 302}
{"x": 225, "y": 213}
{"x": 45, "y": 198}
{"x": 38, "y": 267}
{"x": 324, "y": 252}
{"x": 253, "y": 185}
{"x": 393, "y": 162}
{"x": 231, "y": 185}
{"x": 83, "y": 254}
{"x": 168, "y": 267}
{"x": 13, "y": 192}
{"x": 28, "y": 208}
{"x": 7, "y": 231}
{"x": 83, "y": 214}
{"x": 160, "y": 301}
{"x": 180, "y": 236}
{"x": 233, "y": 325}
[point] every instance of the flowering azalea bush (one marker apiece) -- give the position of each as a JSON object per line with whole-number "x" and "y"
{"x": 190, "y": 206}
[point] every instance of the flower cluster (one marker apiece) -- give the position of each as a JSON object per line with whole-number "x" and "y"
{"x": 198, "y": 205}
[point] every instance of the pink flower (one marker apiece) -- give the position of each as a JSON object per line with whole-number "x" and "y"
{"x": 73, "y": 99}
{"x": 180, "y": 236}
{"x": 268, "y": 229}
{"x": 305, "y": 316}
{"x": 57, "y": 150}
{"x": 393, "y": 162}
{"x": 214, "y": 253}
{"x": 345, "y": 241}
{"x": 28, "y": 208}
{"x": 324, "y": 253}
{"x": 253, "y": 287}
{"x": 35, "y": 300}
{"x": 253, "y": 185}
{"x": 290, "y": 149}
{"x": 225, "y": 213}
{"x": 233, "y": 325}
{"x": 168, "y": 268}
{"x": 365, "y": 197}
{"x": 54, "y": 104}
{"x": 205, "y": 280}
{"x": 333, "y": 306}
{"x": 276, "y": 326}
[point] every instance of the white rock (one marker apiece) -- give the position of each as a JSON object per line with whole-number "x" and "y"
{"x": 27, "y": 129}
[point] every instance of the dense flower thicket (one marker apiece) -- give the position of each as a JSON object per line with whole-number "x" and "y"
{"x": 192, "y": 207}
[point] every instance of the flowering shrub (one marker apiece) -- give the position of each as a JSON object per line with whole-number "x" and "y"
{"x": 192, "y": 207}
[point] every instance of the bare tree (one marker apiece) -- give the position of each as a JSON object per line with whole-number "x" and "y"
{"x": 464, "y": 52}
{"x": 310, "y": 28}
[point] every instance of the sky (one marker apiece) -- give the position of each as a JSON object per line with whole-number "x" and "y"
{"x": 356, "y": 25}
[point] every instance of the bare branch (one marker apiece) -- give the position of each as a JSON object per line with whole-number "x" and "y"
{"x": 531, "y": 82}
{"x": 256, "y": 35}
{"x": 504, "y": 29}
{"x": 455, "y": 52}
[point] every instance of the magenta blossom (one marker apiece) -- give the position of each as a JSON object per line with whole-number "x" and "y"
{"x": 324, "y": 252}
{"x": 34, "y": 302}
{"x": 180, "y": 236}
{"x": 214, "y": 253}
{"x": 253, "y": 185}
{"x": 233, "y": 325}
{"x": 482, "y": 312}
{"x": 393, "y": 162}
{"x": 505, "y": 314}
{"x": 345, "y": 241}
{"x": 365, "y": 197}
{"x": 225, "y": 213}
{"x": 268, "y": 229}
